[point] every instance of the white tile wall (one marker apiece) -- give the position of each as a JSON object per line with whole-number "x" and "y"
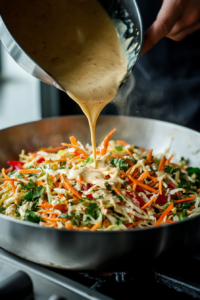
{"x": 19, "y": 94}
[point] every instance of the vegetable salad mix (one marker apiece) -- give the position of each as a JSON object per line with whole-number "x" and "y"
{"x": 130, "y": 188}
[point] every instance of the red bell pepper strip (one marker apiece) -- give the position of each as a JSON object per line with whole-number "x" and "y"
{"x": 161, "y": 199}
{"x": 172, "y": 185}
{"x": 136, "y": 197}
{"x": 40, "y": 160}
{"x": 16, "y": 164}
{"x": 90, "y": 196}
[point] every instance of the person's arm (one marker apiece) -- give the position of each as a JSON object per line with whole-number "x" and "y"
{"x": 176, "y": 19}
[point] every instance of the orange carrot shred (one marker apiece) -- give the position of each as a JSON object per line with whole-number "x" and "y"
{"x": 96, "y": 226}
{"x": 149, "y": 157}
{"x": 122, "y": 143}
{"x": 70, "y": 188}
{"x": 186, "y": 199}
{"x": 162, "y": 164}
{"x": 76, "y": 147}
{"x": 169, "y": 208}
{"x": 169, "y": 159}
{"x": 137, "y": 182}
{"x": 29, "y": 171}
{"x": 104, "y": 144}
{"x": 143, "y": 176}
{"x": 150, "y": 202}
{"x": 52, "y": 149}
{"x": 73, "y": 141}
{"x": 160, "y": 186}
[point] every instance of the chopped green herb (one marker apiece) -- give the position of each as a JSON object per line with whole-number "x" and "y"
{"x": 183, "y": 215}
{"x": 31, "y": 216}
{"x": 117, "y": 162}
{"x": 119, "y": 148}
{"x": 61, "y": 168}
{"x": 63, "y": 216}
{"x": 69, "y": 168}
{"x": 93, "y": 210}
{"x": 89, "y": 160}
{"x": 118, "y": 222}
{"x": 107, "y": 185}
{"x": 2, "y": 210}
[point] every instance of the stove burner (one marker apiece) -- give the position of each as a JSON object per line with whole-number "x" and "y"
{"x": 114, "y": 276}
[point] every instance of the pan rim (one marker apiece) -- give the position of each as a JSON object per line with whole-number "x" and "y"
{"x": 130, "y": 231}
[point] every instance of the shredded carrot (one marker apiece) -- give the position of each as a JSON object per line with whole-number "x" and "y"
{"x": 70, "y": 188}
{"x": 117, "y": 191}
{"x": 73, "y": 141}
{"x": 29, "y": 171}
{"x": 162, "y": 164}
{"x": 13, "y": 187}
{"x": 8, "y": 179}
{"x": 52, "y": 149}
{"x": 46, "y": 205}
{"x": 96, "y": 226}
{"x": 69, "y": 226}
{"x": 143, "y": 176}
{"x": 169, "y": 159}
{"x": 79, "y": 178}
{"x": 149, "y": 157}
{"x": 76, "y": 147}
{"x": 3, "y": 185}
{"x": 133, "y": 225}
{"x": 137, "y": 182}
{"x": 186, "y": 199}
{"x": 128, "y": 151}
{"x": 104, "y": 144}
{"x": 39, "y": 182}
{"x": 192, "y": 207}
{"x": 160, "y": 186}
{"x": 4, "y": 173}
{"x": 106, "y": 223}
{"x": 116, "y": 156}
{"x": 73, "y": 159}
{"x": 47, "y": 211}
{"x": 169, "y": 208}
{"x": 150, "y": 202}
{"x": 152, "y": 178}
{"x": 122, "y": 143}
{"x": 170, "y": 221}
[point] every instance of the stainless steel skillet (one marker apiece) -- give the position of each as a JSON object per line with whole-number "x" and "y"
{"x": 113, "y": 251}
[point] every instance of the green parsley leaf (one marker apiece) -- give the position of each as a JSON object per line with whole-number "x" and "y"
{"x": 61, "y": 168}
{"x": 118, "y": 222}
{"x": 117, "y": 162}
{"x": 93, "y": 210}
{"x": 107, "y": 185}
{"x": 2, "y": 210}
{"x": 69, "y": 168}
{"x": 184, "y": 185}
{"x": 183, "y": 215}
{"x": 119, "y": 148}
{"x": 31, "y": 216}
{"x": 89, "y": 160}
{"x": 37, "y": 192}
{"x": 28, "y": 196}
{"x": 63, "y": 216}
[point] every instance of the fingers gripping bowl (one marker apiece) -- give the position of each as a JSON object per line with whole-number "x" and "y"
{"x": 147, "y": 134}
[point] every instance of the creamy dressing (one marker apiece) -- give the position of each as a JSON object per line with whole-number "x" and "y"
{"x": 96, "y": 176}
{"x": 77, "y": 43}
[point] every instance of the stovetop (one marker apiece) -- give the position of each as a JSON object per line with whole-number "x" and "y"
{"x": 174, "y": 275}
